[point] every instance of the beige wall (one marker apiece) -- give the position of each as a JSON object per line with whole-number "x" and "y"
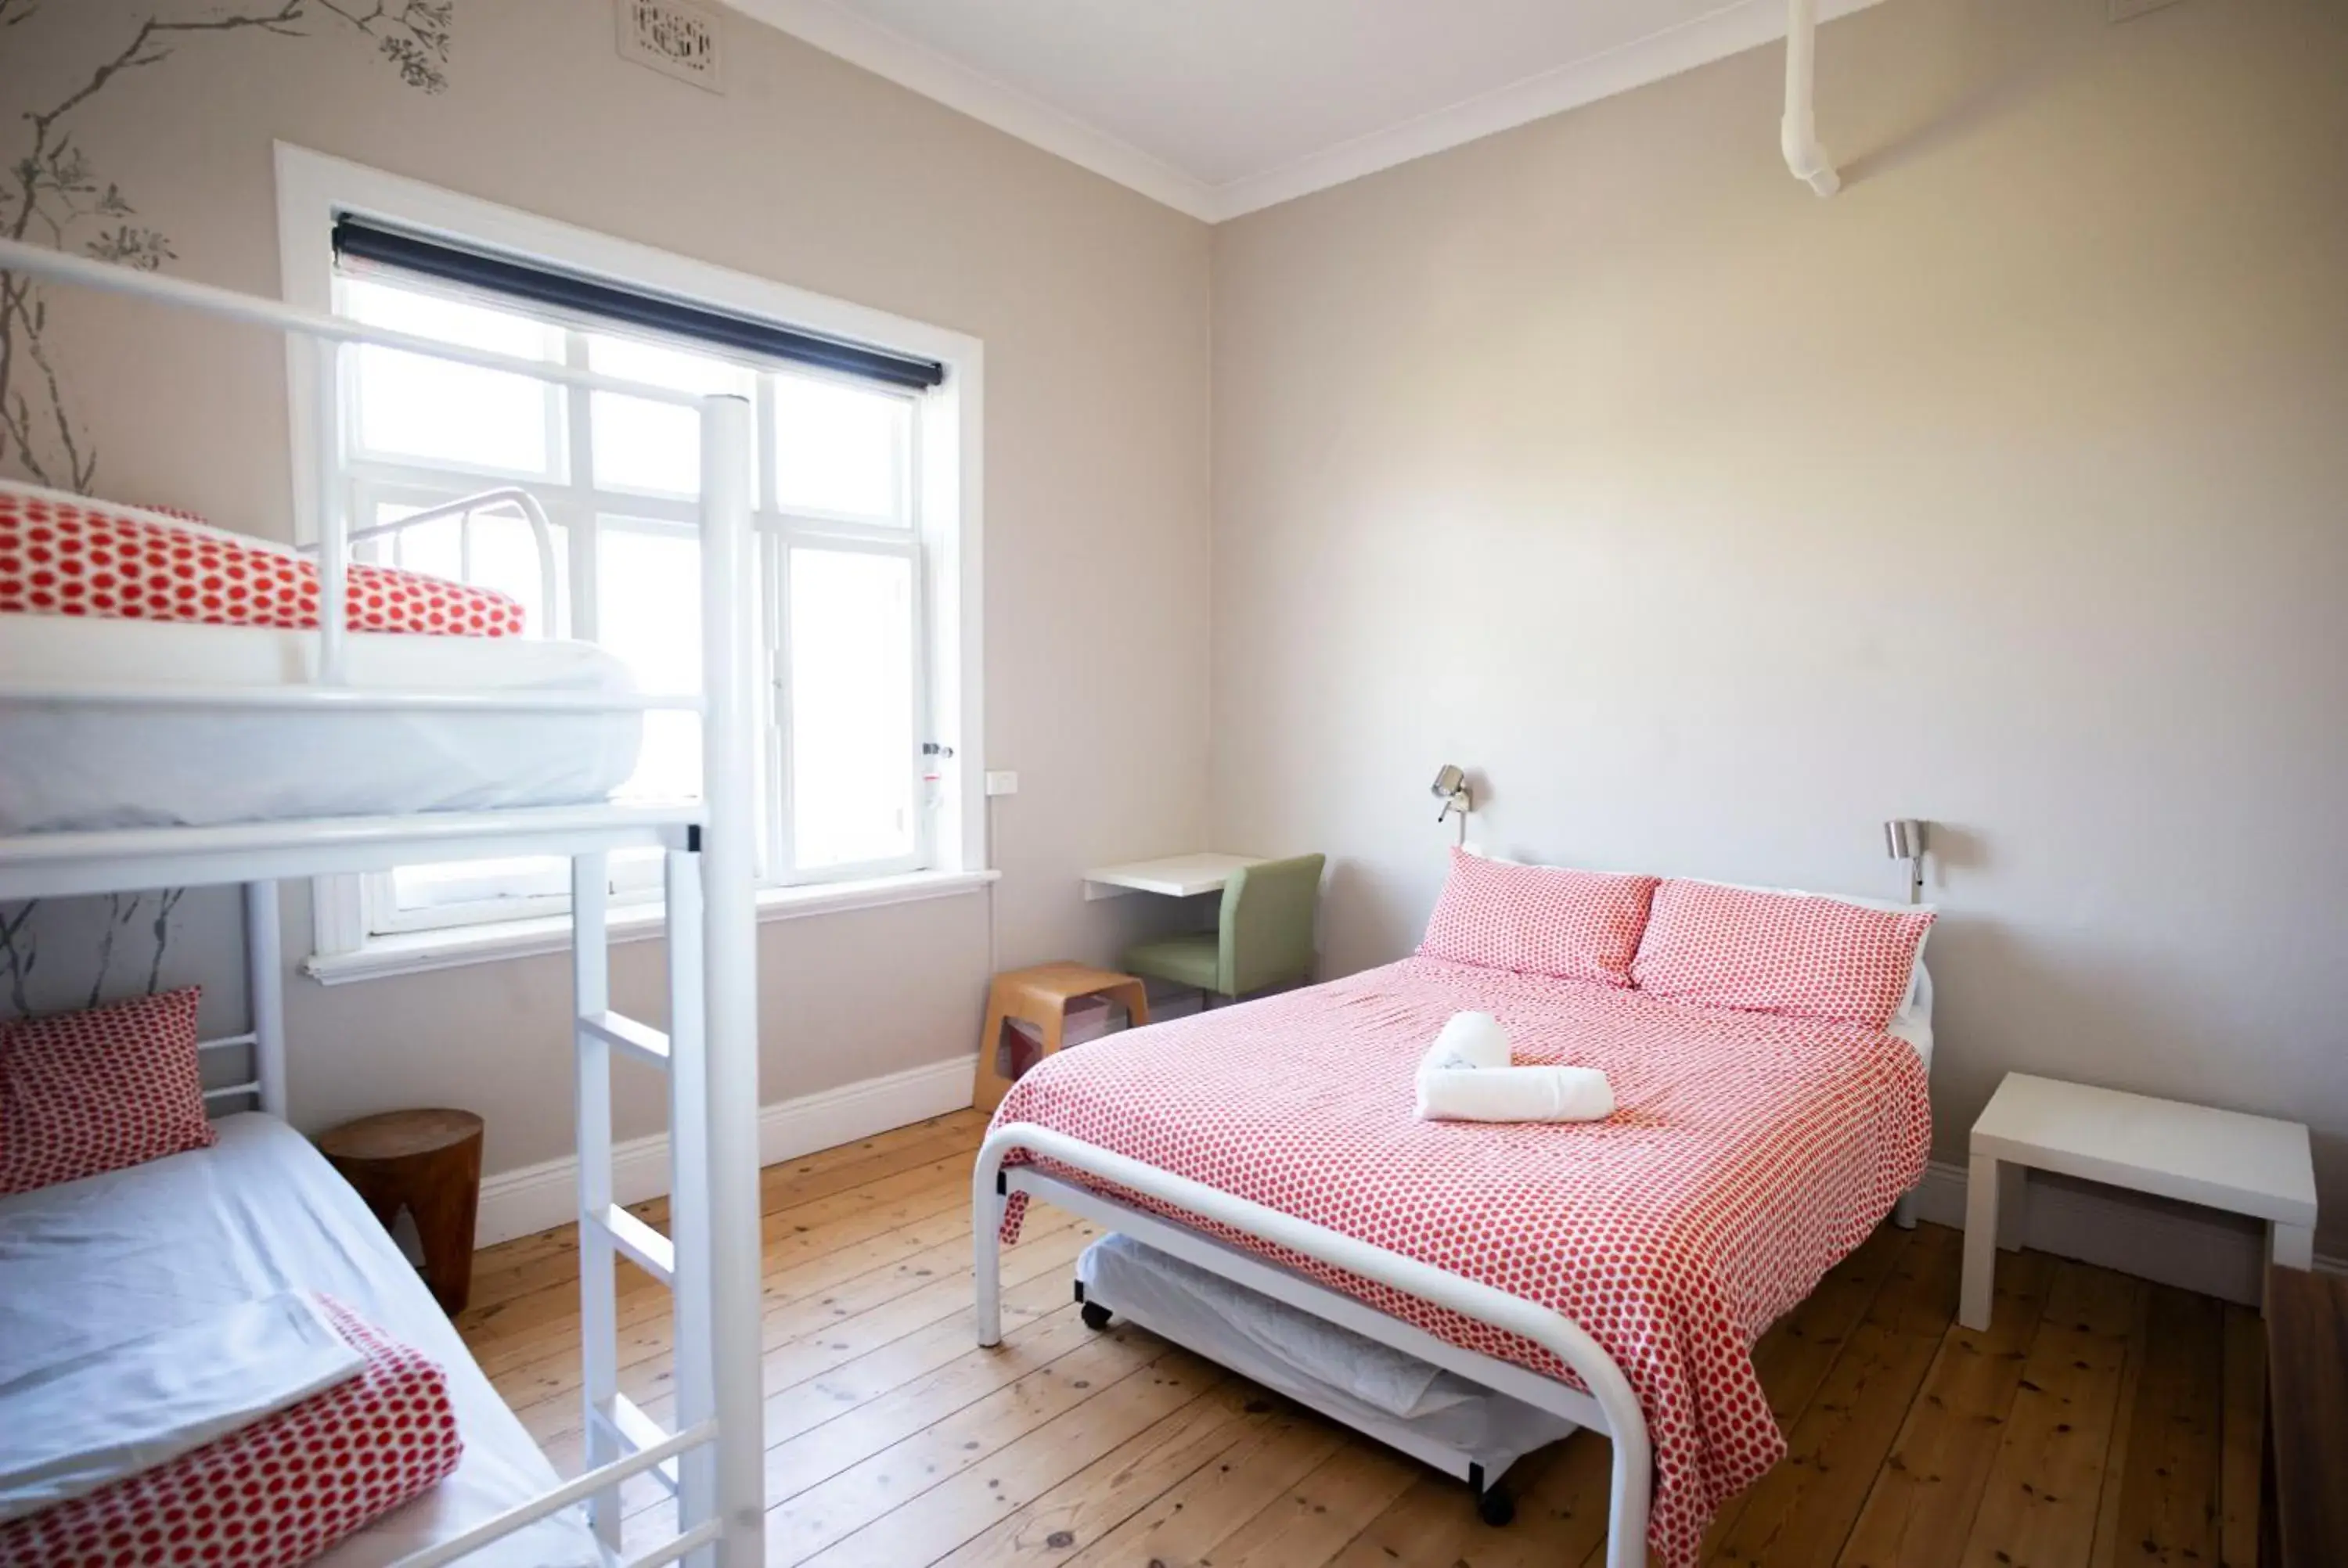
{"x": 1713, "y": 524}
{"x": 1709, "y": 523}
{"x": 1091, "y": 301}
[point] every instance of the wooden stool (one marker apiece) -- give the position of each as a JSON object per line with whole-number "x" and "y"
{"x": 430, "y": 1163}
{"x": 1041, "y": 996}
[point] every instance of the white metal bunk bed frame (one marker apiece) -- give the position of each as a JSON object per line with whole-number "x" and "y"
{"x": 712, "y": 1260}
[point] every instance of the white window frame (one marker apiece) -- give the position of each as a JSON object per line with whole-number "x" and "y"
{"x": 944, "y": 541}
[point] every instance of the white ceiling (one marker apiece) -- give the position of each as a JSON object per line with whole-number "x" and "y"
{"x": 1222, "y": 106}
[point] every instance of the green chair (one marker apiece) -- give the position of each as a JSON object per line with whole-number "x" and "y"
{"x": 1264, "y": 938}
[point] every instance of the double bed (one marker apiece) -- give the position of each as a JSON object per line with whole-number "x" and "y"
{"x": 1613, "y": 1272}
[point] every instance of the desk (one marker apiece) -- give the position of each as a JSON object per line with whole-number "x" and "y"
{"x": 1176, "y": 877}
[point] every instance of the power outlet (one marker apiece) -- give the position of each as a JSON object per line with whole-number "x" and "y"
{"x": 1003, "y": 783}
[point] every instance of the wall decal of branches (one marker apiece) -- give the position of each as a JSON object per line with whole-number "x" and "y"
{"x": 53, "y": 196}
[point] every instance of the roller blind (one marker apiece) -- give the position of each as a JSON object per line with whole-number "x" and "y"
{"x": 358, "y": 239}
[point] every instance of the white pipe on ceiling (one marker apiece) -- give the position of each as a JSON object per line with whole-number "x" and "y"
{"x": 1799, "y": 131}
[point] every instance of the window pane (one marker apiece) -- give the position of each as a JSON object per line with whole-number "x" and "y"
{"x": 852, "y": 742}
{"x": 648, "y": 611}
{"x": 410, "y": 407}
{"x": 653, "y": 446}
{"x": 472, "y": 881}
{"x": 841, "y": 449}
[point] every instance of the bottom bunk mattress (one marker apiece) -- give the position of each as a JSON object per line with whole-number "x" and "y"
{"x": 68, "y": 764}
{"x": 1748, "y": 1154}
{"x": 90, "y": 1263}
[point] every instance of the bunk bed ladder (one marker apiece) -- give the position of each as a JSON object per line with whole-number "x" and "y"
{"x": 615, "y": 1427}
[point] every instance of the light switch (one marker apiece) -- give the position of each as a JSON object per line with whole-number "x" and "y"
{"x": 1003, "y": 783}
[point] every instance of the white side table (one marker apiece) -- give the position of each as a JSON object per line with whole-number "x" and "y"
{"x": 2248, "y": 1164}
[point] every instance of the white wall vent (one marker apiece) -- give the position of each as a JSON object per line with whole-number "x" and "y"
{"x": 676, "y": 38}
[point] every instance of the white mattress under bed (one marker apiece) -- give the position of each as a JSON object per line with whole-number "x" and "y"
{"x": 105, "y": 764}
{"x": 88, "y": 1264}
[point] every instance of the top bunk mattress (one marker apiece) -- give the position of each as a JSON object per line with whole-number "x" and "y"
{"x": 88, "y": 1264}
{"x": 112, "y": 765}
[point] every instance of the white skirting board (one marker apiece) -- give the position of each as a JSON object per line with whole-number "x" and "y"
{"x": 538, "y": 1197}
{"x": 2218, "y": 1255}
{"x": 2169, "y": 1243}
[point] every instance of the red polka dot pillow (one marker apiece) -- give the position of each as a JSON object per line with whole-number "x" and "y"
{"x": 62, "y": 555}
{"x": 1796, "y": 954}
{"x": 83, "y": 1092}
{"x": 1538, "y": 919}
{"x": 274, "y": 1493}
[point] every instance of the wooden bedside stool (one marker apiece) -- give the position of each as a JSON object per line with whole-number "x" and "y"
{"x": 430, "y": 1163}
{"x": 1041, "y": 996}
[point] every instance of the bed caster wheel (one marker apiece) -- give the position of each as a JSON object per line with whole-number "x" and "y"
{"x": 1495, "y": 1507}
{"x": 1096, "y": 1316}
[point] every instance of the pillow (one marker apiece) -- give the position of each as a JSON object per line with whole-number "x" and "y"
{"x": 62, "y": 555}
{"x": 1917, "y": 979}
{"x": 84, "y": 1092}
{"x": 1797, "y": 954}
{"x": 1538, "y": 919}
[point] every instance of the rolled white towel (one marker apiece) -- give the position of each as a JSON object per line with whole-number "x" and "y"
{"x": 1514, "y": 1094}
{"x": 1469, "y": 1040}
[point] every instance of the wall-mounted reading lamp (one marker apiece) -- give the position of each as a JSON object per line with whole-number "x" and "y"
{"x": 1903, "y": 839}
{"x": 1450, "y": 787}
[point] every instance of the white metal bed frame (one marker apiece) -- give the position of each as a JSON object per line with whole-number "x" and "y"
{"x": 711, "y": 1261}
{"x": 1609, "y": 1406}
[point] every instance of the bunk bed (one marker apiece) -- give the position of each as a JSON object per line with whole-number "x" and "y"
{"x": 544, "y": 733}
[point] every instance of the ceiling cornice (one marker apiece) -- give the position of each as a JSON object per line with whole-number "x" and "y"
{"x": 1734, "y": 28}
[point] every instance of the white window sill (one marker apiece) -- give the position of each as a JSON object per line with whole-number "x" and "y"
{"x": 416, "y": 952}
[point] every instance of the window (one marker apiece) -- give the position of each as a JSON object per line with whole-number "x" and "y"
{"x": 865, "y": 592}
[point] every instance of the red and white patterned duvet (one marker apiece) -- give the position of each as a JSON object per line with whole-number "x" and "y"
{"x": 1748, "y": 1154}
{"x": 276, "y": 1493}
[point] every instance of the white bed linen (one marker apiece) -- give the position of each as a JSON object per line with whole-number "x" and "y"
{"x": 91, "y": 767}
{"x": 88, "y": 1264}
{"x": 72, "y": 1429}
{"x": 1346, "y": 1375}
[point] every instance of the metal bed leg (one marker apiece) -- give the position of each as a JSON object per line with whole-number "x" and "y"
{"x": 264, "y": 965}
{"x": 730, "y": 964}
{"x": 599, "y": 1330}
{"x": 986, "y": 1244}
{"x": 689, "y": 1178}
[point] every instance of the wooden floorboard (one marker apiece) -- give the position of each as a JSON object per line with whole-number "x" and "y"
{"x": 2097, "y": 1421}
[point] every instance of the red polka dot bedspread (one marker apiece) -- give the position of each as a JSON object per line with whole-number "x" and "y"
{"x": 62, "y": 555}
{"x": 276, "y": 1493}
{"x": 1748, "y": 1154}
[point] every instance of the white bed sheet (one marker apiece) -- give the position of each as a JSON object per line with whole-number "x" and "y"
{"x": 91, "y": 767}
{"x": 93, "y": 1263}
{"x": 1371, "y": 1386}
